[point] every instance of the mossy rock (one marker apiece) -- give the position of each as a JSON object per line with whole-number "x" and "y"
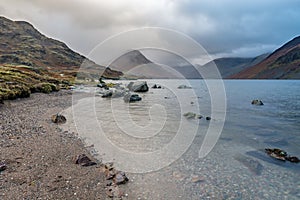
{"x": 44, "y": 88}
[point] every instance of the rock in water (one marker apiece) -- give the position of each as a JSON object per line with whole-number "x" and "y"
{"x": 191, "y": 115}
{"x": 118, "y": 93}
{"x": 84, "y": 161}
{"x": 293, "y": 159}
{"x": 208, "y": 118}
{"x": 155, "y": 86}
{"x": 58, "y": 119}
{"x": 107, "y": 93}
{"x": 131, "y": 97}
{"x": 139, "y": 86}
{"x": 257, "y": 102}
{"x": 253, "y": 165}
{"x": 184, "y": 87}
{"x": 281, "y": 155}
{"x": 276, "y": 153}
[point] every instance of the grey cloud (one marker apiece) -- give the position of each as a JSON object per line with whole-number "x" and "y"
{"x": 227, "y": 27}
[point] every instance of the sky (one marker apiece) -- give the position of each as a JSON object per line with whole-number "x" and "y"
{"x": 224, "y": 28}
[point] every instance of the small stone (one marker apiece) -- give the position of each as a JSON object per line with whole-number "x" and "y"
{"x": 3, "y": 166}
{"x": 114, "y": 191}
{"x": 58, "y": 119}
{"x": 197, "y": 179}
{"x": 208, "y": 118}
{"x": 120, "y": 178}
{"x": 84, "y": 161}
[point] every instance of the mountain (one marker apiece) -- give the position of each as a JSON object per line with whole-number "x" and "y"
{"x": 232, "y": 65}
{"x": 283, "y": 63}
{"x": 22, "y": 44}
{"x": 134, "y": 63}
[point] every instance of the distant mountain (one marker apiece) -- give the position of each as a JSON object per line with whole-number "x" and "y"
{"x": 283, "y": 63}
{"x": 22, "y": 44}
{"x": 134, "y": 63}
{"x": 232, "y": 65}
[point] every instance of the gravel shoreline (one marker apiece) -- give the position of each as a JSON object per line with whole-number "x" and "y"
{"x": 40, "y": 156}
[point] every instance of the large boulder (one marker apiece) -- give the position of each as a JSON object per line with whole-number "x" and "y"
{"x": 139, "y": 86}
{"x": 257, "y": 102}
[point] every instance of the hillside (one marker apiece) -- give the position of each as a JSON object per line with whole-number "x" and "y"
{"x": 31, "y": 62}
{"x": 283, "y": 63}
{"x": 232, "y": 65}
{"x": 22, "y": 44}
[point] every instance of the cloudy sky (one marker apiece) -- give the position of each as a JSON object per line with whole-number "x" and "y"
{"x": 222, "y": 27}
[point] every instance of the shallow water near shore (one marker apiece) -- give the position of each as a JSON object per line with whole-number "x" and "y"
{"x": 236, "y": 168}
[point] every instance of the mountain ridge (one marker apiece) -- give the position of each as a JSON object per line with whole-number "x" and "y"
{"x": 22, "y": 44}
{"x": 283, "y": 63}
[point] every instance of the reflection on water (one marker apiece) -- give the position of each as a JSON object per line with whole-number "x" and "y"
{"x": 237, "y": 168}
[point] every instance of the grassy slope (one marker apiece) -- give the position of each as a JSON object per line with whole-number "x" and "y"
{"x": 18, "y": 81}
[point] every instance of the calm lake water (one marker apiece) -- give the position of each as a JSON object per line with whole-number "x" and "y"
{"x": 236, "y": 167}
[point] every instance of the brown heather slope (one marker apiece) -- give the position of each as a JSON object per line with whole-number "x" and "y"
{"x": 283, "y": 63}
{"x": 22, "y": 44}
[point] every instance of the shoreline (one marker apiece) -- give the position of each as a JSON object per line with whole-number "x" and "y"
{"x": 40, "y": 156}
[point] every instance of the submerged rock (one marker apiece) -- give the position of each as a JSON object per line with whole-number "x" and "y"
{"x": 257, "y": 102}
{"x": 118, "y": 93}
{"x": 253, "y": 165}
{"x": 139, "y": 86}
{"x": 84, "y": 161}
{"x": 58, "y": 119}
{"x": 184, "y": 87}
{"x": 191, "y": 115}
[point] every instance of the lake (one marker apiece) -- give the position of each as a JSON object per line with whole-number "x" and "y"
{"x": 165, "y": 153}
